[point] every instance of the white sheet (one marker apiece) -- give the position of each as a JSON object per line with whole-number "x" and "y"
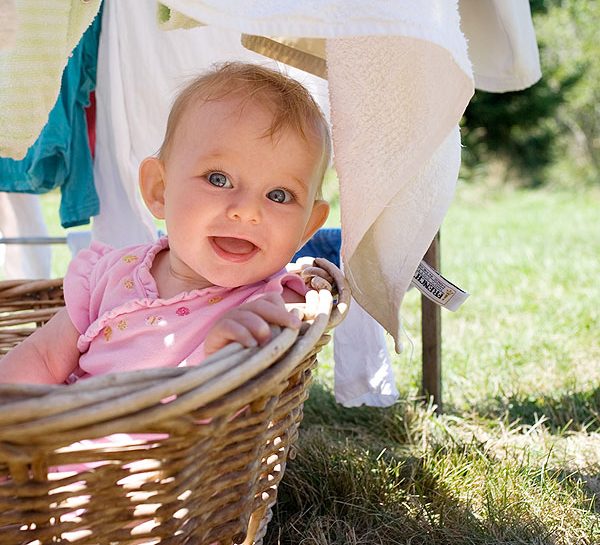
{"x": 21, "y": 216}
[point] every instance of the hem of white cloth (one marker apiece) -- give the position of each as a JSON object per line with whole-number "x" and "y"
{"x": 370, "y": 399}
{"x": 492, "y": 84}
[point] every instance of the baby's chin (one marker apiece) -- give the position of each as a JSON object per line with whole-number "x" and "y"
{"x": 237, "y": 278}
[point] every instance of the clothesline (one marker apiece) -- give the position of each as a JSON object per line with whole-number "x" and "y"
{"x": 33, "y": 240}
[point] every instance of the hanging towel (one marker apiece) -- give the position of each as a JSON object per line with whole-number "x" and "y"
{"x": 8, "y": 24}
{"x": 61, "y": 156}
{"x": 397, "y": 155}
{"x": 30, "y": 72}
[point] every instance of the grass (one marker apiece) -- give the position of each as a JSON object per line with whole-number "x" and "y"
{"x": 515, "y": 458}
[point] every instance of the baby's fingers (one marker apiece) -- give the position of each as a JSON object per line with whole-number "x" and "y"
{"x": 227, "y": 331}
{"x": 273, "y": 311}
{"x": 254, "y": 325}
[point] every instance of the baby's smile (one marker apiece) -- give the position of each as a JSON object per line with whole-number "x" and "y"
{"x": 237, "y": 250}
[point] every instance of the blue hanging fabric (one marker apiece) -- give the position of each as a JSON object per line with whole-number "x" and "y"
{"x": 61, "y": 155}
{"x": 326, "y": 243}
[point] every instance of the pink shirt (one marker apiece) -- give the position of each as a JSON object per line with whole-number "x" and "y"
{"x": 124, "y": 325}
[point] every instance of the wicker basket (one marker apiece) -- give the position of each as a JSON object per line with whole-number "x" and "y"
{"x": 172, "y": 455}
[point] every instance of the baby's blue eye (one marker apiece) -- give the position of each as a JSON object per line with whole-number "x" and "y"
{"x": 219, "y": 179}
{"x": 280, "y": 195}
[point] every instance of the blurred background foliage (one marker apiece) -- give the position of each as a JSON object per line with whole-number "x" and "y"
{"x": 548, "y": 134}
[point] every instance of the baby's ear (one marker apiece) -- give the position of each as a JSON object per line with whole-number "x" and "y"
{"x": 152, "y": 185}
{"x": 317, "y": 218}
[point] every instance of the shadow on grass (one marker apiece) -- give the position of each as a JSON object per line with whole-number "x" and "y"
{"x": 397, "y": 424}
{"x": 573, "y": 411}
{"x": 590, "y": 487}
{"x": 356, "y": 480}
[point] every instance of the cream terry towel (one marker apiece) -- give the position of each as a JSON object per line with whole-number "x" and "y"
{"x": 31, "y": 70}
{"x": 397, "y": 154}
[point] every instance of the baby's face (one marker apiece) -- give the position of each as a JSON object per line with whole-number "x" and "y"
{"x": 238, "y": 204}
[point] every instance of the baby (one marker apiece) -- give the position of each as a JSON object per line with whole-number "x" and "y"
{"x": 237, "y": 181}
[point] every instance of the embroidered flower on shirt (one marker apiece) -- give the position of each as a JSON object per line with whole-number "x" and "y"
{"x": 182, "y": 311}
{"x": 215, "y": 299}
{"x": 107, "y": 332}
{"x": 155, "y": 320}
{"x": 130, "y": 258}
{"x": 128, "y": 283}
{"x": 122, "y": 325}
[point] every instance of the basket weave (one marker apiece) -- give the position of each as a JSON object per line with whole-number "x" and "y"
{"x": 200, "y": 450}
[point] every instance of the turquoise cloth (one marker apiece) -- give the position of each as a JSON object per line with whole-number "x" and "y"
{"x": 61, "y": 155}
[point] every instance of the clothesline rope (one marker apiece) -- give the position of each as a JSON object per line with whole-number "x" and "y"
{"x": 33, "y": 240}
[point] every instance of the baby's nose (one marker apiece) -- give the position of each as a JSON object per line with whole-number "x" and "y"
{"x": 245, "y": 209}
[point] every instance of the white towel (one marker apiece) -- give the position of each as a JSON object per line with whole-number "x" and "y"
{"x": 435, "y": 20}
{"x": 502, "y": 44}
{"x": 396, "y": 177}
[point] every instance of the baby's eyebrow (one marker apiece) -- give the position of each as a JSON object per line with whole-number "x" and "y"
{"x": 212, "y": 155}
{"x": 302, "y": 183}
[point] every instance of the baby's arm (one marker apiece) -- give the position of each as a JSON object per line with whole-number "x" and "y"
{"x": 248, "y": 324}
{"x": 48, "y": 356}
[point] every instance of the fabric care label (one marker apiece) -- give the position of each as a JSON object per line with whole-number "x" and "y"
{"x": 435, "y": 287}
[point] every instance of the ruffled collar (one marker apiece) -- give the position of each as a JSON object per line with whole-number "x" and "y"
{"x": 148, "y": 283}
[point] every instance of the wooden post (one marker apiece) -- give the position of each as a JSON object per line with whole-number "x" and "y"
{"x": 431, "y": 333}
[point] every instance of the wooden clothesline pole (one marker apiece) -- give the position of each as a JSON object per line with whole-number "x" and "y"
{"x": 431, "y": 335}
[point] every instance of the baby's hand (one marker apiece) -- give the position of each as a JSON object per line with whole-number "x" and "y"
{"x": 248, "y": 324}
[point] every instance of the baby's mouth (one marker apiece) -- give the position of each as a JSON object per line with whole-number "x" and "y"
{"x": 234, "y": 249}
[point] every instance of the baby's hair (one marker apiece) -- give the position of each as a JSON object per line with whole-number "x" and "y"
{"x": 292, "y": 105}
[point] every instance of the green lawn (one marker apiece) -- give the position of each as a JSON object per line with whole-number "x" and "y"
{"x": 515, "y": 458}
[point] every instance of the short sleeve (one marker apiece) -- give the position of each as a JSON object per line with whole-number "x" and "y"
{"x": 78, "y": 281}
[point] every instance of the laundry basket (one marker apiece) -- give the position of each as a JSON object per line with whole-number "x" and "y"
{"x": 171, "y": 455}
